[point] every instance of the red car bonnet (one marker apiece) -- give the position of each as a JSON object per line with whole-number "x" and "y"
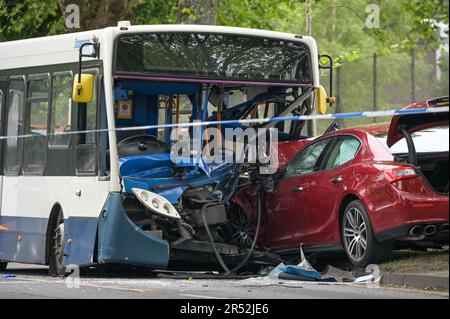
{"x": 417, "y": 122}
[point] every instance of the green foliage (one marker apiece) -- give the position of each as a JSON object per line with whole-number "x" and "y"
{"x": 156, "y": 12}
{"x": 337, "y": 25}
{"x": 261, "y": 14}
{"x": 441, "y": 85}
{"x": 29, "y": 18}
{"x": 423, "y": 14}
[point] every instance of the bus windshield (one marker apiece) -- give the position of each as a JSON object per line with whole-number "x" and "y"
{"x": 213, "y": 56}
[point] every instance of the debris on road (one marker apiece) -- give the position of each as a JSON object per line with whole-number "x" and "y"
{"x": 304, "y": 273}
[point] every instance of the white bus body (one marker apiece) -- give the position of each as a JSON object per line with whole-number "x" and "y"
{"x": 34, "y": 194}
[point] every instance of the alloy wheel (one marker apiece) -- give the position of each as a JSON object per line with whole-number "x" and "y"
{"x": 243, "y": 230}
{"x": 355, "y": 234}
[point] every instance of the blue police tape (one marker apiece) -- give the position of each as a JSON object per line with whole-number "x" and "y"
{"x": 250, "y": 121}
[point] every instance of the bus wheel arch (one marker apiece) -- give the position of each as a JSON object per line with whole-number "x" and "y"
{"x": 54, "y": 239}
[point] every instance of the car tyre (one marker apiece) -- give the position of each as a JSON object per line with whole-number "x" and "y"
{"x": 56, "y": 267}
{"x": 358, "y": 238}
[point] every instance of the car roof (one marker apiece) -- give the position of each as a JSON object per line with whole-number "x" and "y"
{"x": 374, "y": 129}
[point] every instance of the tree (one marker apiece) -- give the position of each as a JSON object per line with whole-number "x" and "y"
{"x": 338, "y": 26}
{"x": 157, "y": 12}
{"x": 28, "y": 19}
{"x": 198, "y": 11}
{"x": 101, "y": 14}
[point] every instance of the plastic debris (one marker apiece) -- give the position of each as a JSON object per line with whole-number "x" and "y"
{"x": 304, "y": 263}
{"x": 304, "y": 274}
{"x": 276, "y": 271}
{"x": 303, "y": 271}
{"x": 7, "y": 276}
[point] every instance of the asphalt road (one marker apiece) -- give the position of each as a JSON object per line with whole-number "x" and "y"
{"x": 32, "y": 282}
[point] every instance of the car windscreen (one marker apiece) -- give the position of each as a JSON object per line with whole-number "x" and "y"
{"x": 213, "y": 56}
{"x": 435, "y": 139}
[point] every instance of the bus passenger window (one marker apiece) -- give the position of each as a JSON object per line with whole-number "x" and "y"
{"x": 86, "y": 148}
{"x": 60, "y": 112}
{"x": 14, "y": 126}
{"x": 36, "y": 114}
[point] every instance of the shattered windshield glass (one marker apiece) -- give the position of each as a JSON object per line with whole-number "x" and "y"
{"x": 218, "y": 56}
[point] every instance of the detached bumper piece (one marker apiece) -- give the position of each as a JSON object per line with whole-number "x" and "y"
{"x": 121, "y": 241}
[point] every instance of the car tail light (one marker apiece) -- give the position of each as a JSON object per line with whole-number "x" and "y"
{"x": 396, "y": 173}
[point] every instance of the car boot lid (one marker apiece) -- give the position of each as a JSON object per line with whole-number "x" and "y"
{"x": 417, "y": 122}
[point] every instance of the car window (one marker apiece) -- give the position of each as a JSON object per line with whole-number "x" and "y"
{"x": 344, "y": 151}
{"x": 306, "y": 160}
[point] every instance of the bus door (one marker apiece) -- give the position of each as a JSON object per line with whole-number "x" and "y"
{"x": 89, "y": 188}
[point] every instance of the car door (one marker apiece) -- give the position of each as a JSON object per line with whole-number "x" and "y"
{"x": 322, "y": 193}
{"x": 285, "y": 210}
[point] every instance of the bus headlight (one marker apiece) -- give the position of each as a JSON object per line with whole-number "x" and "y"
{"x": 156, "y": 203}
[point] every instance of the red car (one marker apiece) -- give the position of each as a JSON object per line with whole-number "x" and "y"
{"x": 347, "y": 191}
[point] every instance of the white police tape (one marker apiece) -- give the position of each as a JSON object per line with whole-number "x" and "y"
{"x": 250, "y": 121}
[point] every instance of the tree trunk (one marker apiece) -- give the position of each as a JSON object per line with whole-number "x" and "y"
{"x": 198, "y": 12}
{"x": 101, "y": 13}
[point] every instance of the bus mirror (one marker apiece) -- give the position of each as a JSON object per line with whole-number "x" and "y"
{"x": 321, "y": 100}
{"x": 83, "y": 88}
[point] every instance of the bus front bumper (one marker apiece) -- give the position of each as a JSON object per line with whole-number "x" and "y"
{"x": 120, "y": 241}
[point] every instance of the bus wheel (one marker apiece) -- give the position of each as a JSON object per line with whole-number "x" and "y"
{"x": 57, "y": 249}
{"x": 3, "y": 265}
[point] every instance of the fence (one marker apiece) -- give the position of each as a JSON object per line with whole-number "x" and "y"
{"x": 381, "y": 82}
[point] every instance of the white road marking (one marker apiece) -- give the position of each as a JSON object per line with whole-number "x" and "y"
{"x": 84, "y": 284}
{"x": 15, "y": 282}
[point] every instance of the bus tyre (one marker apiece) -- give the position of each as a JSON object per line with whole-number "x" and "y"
{"x": 360, "y": 243}
{"x": 3, "y": 265}
{"x": 56, "y": 267}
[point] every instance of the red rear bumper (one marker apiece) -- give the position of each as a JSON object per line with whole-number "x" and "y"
{"x": 395, "y": 221}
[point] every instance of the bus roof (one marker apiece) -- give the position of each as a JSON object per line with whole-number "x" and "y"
{"x": 63, "y": 48}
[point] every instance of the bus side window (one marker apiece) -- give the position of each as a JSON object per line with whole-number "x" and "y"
{"x": 61, "y": 108}
{"x": 86, "y": 147}
{"x": 36, "y": 116}
{"x": 14, "y": 126}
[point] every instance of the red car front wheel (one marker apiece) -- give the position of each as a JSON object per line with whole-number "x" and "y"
{"x": 359, "y": 241}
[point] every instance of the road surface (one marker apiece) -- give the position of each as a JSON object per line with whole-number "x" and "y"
{"x": 32, "y": 282}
